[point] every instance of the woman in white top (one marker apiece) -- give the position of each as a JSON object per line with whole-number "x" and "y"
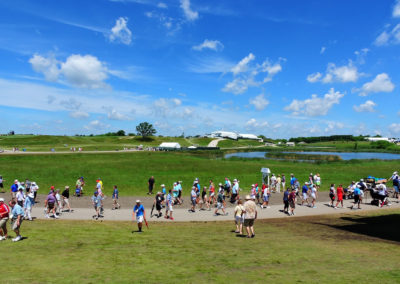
{"x": 239, "y": 218}
{"x": 313, "y": 195}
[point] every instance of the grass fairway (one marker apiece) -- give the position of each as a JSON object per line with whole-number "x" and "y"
{"x": 359, "y": 248}
{"x": 130, "y": 171}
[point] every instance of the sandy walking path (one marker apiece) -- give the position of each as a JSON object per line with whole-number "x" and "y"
{"x": 182, "y": 214}
{"x": 214, "y": 143}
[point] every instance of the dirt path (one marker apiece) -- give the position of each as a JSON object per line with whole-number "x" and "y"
{"x": 214, "y": 143}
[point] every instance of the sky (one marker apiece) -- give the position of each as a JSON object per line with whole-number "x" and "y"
{"x": 283, "y": 68}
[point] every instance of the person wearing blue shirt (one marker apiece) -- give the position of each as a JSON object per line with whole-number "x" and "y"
{"x": 235, "y": 191}
{"x": 357, "y": 193}
{"x": 304, "y": 191}
{"x": 14, "y": 189}
{"x": 17, "y": 214}
{"x": 292, "y": 180}
{"x": 115, "y": 196}
{"x": 96, "y": 200}
{"x": 169, "y": 206}
{"x": 286, "y": 201}
{"x": 138, "y": 210}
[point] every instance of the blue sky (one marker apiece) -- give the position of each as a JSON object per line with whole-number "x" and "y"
{"x": 278, "y": 68}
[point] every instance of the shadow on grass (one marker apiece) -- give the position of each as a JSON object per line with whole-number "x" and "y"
{"x": 383, "y": 227}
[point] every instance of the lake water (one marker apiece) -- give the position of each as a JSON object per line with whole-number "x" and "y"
{"x": 342, "y": 155}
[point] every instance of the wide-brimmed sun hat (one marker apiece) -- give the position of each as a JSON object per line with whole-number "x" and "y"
{"x": 247, "y": 197}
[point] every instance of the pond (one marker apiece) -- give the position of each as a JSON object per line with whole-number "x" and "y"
{"x": 342, "y": 155}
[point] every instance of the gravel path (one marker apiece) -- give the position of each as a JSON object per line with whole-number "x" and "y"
{"x": 214, "y": 143}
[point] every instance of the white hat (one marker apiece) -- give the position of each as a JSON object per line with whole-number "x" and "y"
{"x": 252, "y": 185}
{"x": 235, "y": 180}
{"x": 16, "y": 181}
{"x": 220, "y": 184}
{"x": 137, "y": 201}
{"x": 163, "y": 185}
{"x": 247, "y": 197}
{"x": 175, "y": 183}
{"x": 1, "y": 199}
{"x": 395, "y": 173}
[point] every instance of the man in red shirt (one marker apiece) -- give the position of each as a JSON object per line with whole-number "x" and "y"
{"x": 4, "y": 214}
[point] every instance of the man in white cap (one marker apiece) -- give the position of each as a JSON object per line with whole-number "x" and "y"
{"x": 163, "y": 190}
{"x": 235, "y": 190}
{"x": 4, "y": 215}
{"x": 138, "y": 210}
{"x": 250, "y": 214}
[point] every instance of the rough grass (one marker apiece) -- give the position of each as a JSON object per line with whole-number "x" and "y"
{"x": 362, "y": 248}
{"x": 130, "y": 171}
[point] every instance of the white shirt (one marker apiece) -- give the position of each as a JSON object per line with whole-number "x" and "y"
{"x": 20, "y": 196}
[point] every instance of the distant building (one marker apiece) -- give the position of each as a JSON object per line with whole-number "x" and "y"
{"x": 250, "y": 137}
{"x": 290, "y": 144}
{"x": 169, "y": 145}
{"x": 269, "y": 144}
{"x": 223, "y": 134}
{"x": 375, "y": 139}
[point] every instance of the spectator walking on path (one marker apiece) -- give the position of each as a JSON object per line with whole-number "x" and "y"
{"x": 357, "y": 193}
{"x": 14, "y": 189}
{"x": 151, "y": 183}
{"x": 220, "y": 203}
{"x": 292, "y": 201}
{"x": 239, "y": 217}
{"x": 304, "y": 191}
{"x": 169, "y": 206}
{"x": 286, "y": 201}
{"x": 17, "y": 216}
{"x": 250, "y": 210}
{"x": 65, "y": 199}
{"x": 193, "y": 197}
{"x": 332, "y": 195}
{"x": 115, "y": 196}
{"x": 96, "y": 201}
{"x": 50, "y": 205}
{"x": 138, "y": 210}
{"x": 339, "y": 192}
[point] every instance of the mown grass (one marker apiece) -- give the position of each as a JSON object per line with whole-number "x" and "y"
{"x": 361, "y": 248}
{"x": 130, "y": 171}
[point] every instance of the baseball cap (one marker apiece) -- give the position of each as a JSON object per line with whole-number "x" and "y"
{"x": 163, "y": 185}
{"x": 138, "y": 201}
{"x": 16, "y": 181}
{"x": 247, "y": 197}
{"x": 1, "y": 199}
{"x": 52, "y": 187}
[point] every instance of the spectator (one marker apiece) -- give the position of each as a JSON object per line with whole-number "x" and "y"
{"x": 138, "y": 210}
{"x": 151, "y": 183}
{"x": 250, "y": 210}
{"x": 16, "y": 221}
{"x": 65, "y": 197}
{"x": 4, "y": 215}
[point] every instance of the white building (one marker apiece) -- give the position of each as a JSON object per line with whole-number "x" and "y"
{"x": 170, "y": 145}
{"x": 223, "y": 134}
{"x": 250, "y": 137}
{"x": 374, "y": 139}
{"x": 290, "y": 144}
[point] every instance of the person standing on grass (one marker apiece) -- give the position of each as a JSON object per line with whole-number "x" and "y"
{"x": 138, "y": 210}
{"x": 332, "y": 195}
{"x": 292, "y": 202}
{"x": 4, "y": 215}
{"x": 250, "y": 214}
{"x": 314, "y": 195}
{"x": 286, "y": 201}
{"x": 193, "y": 197}
{"x": 151, "y": 183}
{"x": 115, "y": 196}
{"x": 96, "y": 201}
{"x": 304, "y": 192}
{"x": 28, "y": 204}
{"x": 220, "y": 203}
{"x": 339, "y": 192}
{"x": 50, "y": 205}
{"x": 169, "y": 206}
{"x": 239, "y": 217}
{"x": 357, "y": 193}
{"x": 1, "y": 184}
{"x": 266, "y": 195}
{"x": 65, "y": 199}
{"x": 17, "y": 214}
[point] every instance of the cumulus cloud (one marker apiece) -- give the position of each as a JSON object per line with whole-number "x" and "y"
{"x": 120, "y": 32}
{"x": 177, "y": 102}
{"x": 368, "y": 106}
{"x": 48, "y": 66}
{"x": 315, "y": 106}
{"x": 388, "y": 36}
{"x": 361, "y": 54}
{"x": 78, "y": 114}
{"x": 71, "y": 104}
{"x": 83, "y": 71}
{"x": 165, "y": 107}
{"x": 315, "y": 77}
{"x": 333, "y": 126}
{"x": 381, "y": 84}
{"x": 96, "y": 125}
{"x": 215, "y": 45}
{"x": 394, "y": 128}
{"x": 247, "y": 75}
{"x": 259, "y": 102}
{"x": 162, "y": 5}
{"x": 396, "y": 10}
{"x": 188, "y": 12}
{"x": 322, "y": 50}
{"x": 253, "y": 124}
{"x": 113, "y": 114}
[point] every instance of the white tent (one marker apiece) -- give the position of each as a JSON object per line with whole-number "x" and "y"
{"x": 170, "y": 145}
{"x": 192, "y": 147}
{"x": 224, "y": 134}
{"x": 248, "y": 136}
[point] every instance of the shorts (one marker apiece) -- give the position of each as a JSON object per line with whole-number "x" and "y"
{"x": 396, "y": 188}
{"x": 14, "y": 194}
{"x": 305, "y": 195}
{"x": 292, "y": 204}
{"x": 356, "y": 198}
{"x": 313, "y": 196}
{"x": 169, "y": 208}
{"x": 332, "y": 196}
{"x": 220, "y": 205}
{"x": 266, "y": 198}
{"x": 318, "y": 183}
{"x": 66, "y": 201}
{"x": 139, "y": 219}
{"x": 158, "y": 207}
{"x": 3, "y": 223}
{"x": 212, "y": 194}
{"x": 248, "y": 222}
{"x": 50, "y": 205}
{"x": 194, "y": 201}
{"x": 239, "y": 220}
{"x": 1, "y": 185}
{"x": 14, "y": 224}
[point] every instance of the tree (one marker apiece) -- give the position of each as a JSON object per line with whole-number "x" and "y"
{"x": 145, "y": 129}
{"x": 120, "y": 133}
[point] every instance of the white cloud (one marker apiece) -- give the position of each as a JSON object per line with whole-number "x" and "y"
{"x": 389, "y": 36}
{"x": 361, "y": 54}
{"x": 394, "y": 128}
{"x": 177, "y": 102}
{"x": 368, "y": 106}
{"x": 315, "y": 106}
{"x": 322, "y": 50}
{"x": 242, "y": 66}
{"x": 96, "y": 125}
{"x": 381, "y": 84}
{"x": 259, "y": 102}
{"x": 48, "y": 66}
{"x": 188, "y": 12}
{"x": 120, "y": 32}
{"x": 396, "y": 10}
{"x": 254, "y": 124}
{"x": 162, "y": 5}
{"x": 209, "y": 44}
{"x": 312, "y": 78}
{"x": 71, "y": 104}
{"x": 113, "y": 114}
{"x": 210, "y": 64}
{"x": 237, "y": 86}
{"x": 79, "y": 114}
{"x": 343, "y": 74}
{"x": 332, "y": 126}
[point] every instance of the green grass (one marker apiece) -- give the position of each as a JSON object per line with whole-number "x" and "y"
{"x": 130, "y": 171}
{"x": 239, "y": 143}
{"x": 362, "y": 248}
